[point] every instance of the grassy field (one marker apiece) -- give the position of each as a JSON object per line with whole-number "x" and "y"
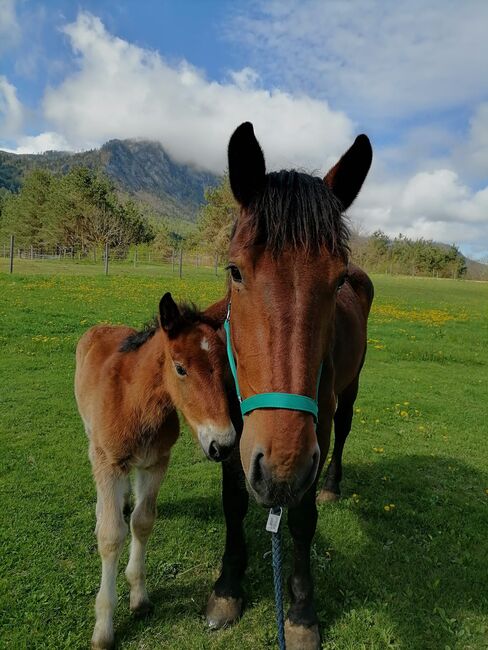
{"x": 399, "y": 562}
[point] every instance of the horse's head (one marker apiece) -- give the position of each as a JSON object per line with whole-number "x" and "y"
{"x": 195, "y": 368}
{"x": 288, "y": 260}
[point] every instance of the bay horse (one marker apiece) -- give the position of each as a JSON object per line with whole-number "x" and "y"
{"x": 297, "y": 321}
{"x": 128, "y": 385}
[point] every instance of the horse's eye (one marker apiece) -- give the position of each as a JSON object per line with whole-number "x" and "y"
{"x": 235, "y": 273}
{"x": 180, "y": 370}
{"x": 340, "y": 284}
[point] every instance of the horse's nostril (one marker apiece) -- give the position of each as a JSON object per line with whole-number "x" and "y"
{"x": 214, "y": 450}
{"x": 257, "y": 473}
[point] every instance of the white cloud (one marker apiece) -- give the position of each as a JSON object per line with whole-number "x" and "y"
{"x": 471, "y": 154}
{"x": 122, "y": 90}
{"x": 374, "y": 59}
{"x": 119, "y": 90}
{"x": 11, "y": 111}
{"x": 433, "y": 205}
{"x": 9, "y": 26}
{"x": 47, "y": 141}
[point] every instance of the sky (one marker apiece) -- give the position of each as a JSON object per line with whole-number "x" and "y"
{"x": 309, "y": 74}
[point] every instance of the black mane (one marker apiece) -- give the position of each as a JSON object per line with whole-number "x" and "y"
{"x": 190, "y": 315}
{"x": 297, "y": 210}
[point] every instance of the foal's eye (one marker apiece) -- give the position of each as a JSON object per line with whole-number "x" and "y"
{"x": 235, "y": 273}
{"x": 180, "y": 370}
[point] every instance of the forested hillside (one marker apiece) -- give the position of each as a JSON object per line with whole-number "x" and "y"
{"x": 141, "y": 169}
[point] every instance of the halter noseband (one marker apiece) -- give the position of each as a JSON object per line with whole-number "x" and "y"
{"x": 290, "y": 401}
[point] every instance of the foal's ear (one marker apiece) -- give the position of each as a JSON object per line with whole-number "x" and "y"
{"x": 347, "y": 176}
{"x": 247, "y": 169}
{"x": 169, "y": 314}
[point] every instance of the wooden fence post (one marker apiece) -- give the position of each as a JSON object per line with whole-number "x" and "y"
{"x": 216, "y": 261}
{"x": 181, "y": 262}
{"x": 106, "y": 257}
{"x": 12, "y": 239}
{"x": 135, "y": 256}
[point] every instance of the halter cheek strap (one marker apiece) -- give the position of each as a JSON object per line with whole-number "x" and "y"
{"x": 290, "y": 401}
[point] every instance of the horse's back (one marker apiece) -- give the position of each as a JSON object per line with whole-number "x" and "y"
{"x": 352, "y": 311}
{"x": 96, "y": 353}
{"x": 362, "y": 286}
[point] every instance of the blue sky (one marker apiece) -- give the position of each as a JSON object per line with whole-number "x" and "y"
{"x": 309, "y": 74}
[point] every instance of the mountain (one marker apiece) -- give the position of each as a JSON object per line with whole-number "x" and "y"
{"x": 140, "y": 168}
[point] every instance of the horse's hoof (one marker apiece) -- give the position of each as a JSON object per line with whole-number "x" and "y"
{"x": 143, "y": 609}
{"x": 299, "y": 637}
{"x": 326, "y": 496}
{"x": 222, "y": 612}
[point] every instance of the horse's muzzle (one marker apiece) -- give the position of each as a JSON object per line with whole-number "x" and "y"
{"x": 269, "y": 490}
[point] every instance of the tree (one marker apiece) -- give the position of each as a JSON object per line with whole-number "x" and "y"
{"x": 217, "y": 218}
{"x": 24, "y": 214}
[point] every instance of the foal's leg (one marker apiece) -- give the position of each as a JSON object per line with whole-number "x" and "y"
{"x": 225, "y": 603}
{"x": 111, "y": 532}
{"x": 331, "y": 490}
{"x": 301, "y": 625}
{"x": 146, "y": 487}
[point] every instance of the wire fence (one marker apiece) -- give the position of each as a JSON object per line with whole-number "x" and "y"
{"x": 34, "y": 259}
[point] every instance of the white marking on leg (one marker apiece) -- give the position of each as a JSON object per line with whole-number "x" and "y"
{"x": 111, "y": 533}
{"x": 147, "y": 483}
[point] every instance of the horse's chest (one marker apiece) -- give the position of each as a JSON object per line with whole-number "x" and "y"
{"x": 146, "y": 455}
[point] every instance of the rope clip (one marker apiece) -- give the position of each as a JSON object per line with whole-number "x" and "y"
{"x": 274, "y": 519}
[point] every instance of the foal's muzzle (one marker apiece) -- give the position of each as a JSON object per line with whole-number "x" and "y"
{"x": 216, "y": 443}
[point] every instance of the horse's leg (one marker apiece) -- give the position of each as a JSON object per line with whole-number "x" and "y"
{"x": 331, "y": 490}
{"x": 146, "y": 488}
{"x": 225, "y": 603}
{"x": 301, "y": 625}
{"x": 111, "y": 532}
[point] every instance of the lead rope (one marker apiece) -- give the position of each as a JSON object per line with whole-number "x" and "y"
{"x": 273, "y": 526}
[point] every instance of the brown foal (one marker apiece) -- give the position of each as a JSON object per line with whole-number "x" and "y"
{"x": 128, "y": 385}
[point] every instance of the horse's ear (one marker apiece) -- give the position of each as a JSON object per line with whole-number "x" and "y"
{"x": 169, "y": 314}
{"x": 247, "y": 169}
{"x": 347, "y": 176}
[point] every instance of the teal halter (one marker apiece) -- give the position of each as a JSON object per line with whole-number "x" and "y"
{"x": 290, "y": 401}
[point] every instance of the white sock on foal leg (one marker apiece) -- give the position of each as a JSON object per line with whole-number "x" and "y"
{"x": 111, "y": 533}
{"x": 146, "y": 487}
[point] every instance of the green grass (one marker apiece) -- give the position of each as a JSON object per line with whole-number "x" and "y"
{"x": 411, "y": 576}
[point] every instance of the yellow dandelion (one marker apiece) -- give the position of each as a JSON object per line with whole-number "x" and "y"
{"x": 404, "y": 414}
{"x": 378, "y": 450}
{"x": 386, "y": 508}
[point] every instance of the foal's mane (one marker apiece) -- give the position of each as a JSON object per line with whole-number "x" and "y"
{"x": 190, "y": 315}
{"x": 297, "y": 210}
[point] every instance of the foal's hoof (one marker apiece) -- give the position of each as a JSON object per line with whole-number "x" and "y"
{"x": 326, "y": 496}
{"x": 143, "y": 609}
{"x": 102, "y": 641}
{"x": 299, "y": 637}
{"x": 222, "y": 612}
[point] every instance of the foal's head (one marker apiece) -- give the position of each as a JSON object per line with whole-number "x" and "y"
{"x": 195, "y": 371}
{"x": 288, "y": 260}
